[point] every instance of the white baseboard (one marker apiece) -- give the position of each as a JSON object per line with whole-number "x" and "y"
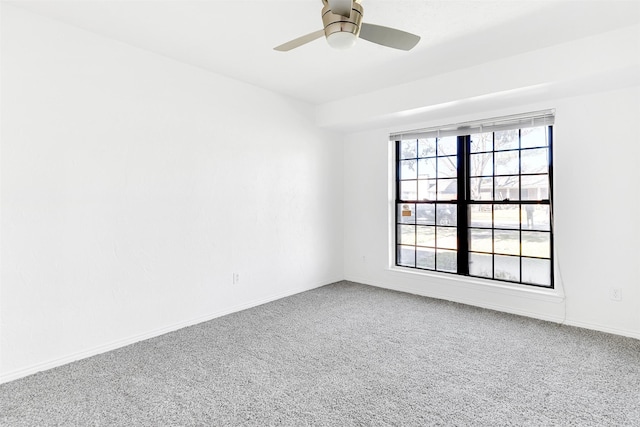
{"x": 472, "y": 302}
{"x": 504, "y": 308}
{"x": 604, "y": 328}
{"x": 29, "y": 370}
{"x": 54, "y": 363}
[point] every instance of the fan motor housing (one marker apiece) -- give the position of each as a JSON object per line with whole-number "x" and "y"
{"x": 334, "y": 23}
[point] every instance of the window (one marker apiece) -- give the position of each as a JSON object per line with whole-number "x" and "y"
{"x": 475, "y": 199}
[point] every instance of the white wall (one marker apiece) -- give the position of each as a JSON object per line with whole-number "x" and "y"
{"x": 133, "y": 187}
{"x": 595, "y": 183}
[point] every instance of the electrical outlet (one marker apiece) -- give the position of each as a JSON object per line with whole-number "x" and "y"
{"x": 615, "y": 294}
{"x": 236, "y": 278}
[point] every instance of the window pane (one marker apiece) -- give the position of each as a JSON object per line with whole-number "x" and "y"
{"x": 535, "y": 187}
{"x": 506, "y": 216}
{"x": 407, "y": 234}
{"x": 506, "y": 268}
{"x": 406, "y": 213}
{"x": 447, "y": 237}
{"x": 427, "y": 168}
{"x": 481, "y": 265}
{"x": 507, "y": 188}
{"x": 536, "y": 244}
{"x": 447, "y": 189}
{"x": 535, "y": 161}
{"x": 426, "y": 258}
{"x": 481, "y": 240}
{"x": 536, "y": 217}
{"x": 448, "y": 146}
{"x": 446, "y": 260}
{"x": 536, "y": 271}
{"x": 507, "y": 163}
{"x": 480, "y": 215}
{"x": 407, "y": 256}
{"x": 447, "y": 167}
{"x": 481, "y": 188}
{"x": 426, "y": 147}
{"x": 446, "y": 214}
{"x": 426, "y": 236}
{"x": 408, "y": 169}
{"x": 426, "y": 189}
{"x": 481, "y": 142}
{"x": 481, "y": 164}
{"x": 408, "y": 149}
{"x": 506, "y": 140}
{"x": 534, "y": 137}
{"x": 426, "y": 213}
{"x": 507, "y": 242}
{"x": 408, "y": 190}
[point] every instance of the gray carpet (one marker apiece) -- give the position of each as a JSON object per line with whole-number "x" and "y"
{"x": 341, "y": 355}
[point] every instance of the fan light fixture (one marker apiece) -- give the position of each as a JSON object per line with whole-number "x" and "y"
{"x": 342, "y": 26}
{"x": 341, "y": 40}
{"x": 342, "y": 31}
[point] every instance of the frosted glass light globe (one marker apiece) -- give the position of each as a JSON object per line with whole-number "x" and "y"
{"x": 341, "y": 40}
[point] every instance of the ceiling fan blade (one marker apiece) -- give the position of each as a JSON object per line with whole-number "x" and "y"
{"x": 389, "y": 37}
{"x": 299, "y": 41}
{"x": 340, "y": 7}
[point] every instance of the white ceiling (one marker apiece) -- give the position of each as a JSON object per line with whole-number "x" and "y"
{"x": 236, "y": 38}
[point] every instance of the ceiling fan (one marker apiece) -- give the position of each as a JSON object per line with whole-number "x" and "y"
{"x": 343, "y": 25}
